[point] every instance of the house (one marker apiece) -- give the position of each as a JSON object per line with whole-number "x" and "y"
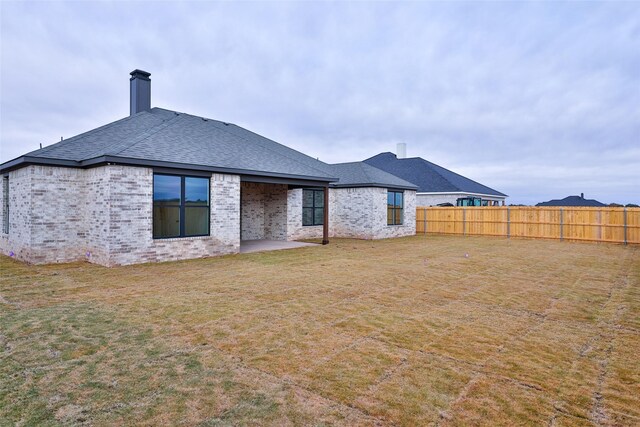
{"x": 162, "y": 185}
{"x": 436, "y": 185}
{"x": 573, "y": 201}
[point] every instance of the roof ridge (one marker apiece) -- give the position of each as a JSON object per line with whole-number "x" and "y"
{"x": 439, "y": 174}
{"x": 147, "y": 134}
{"x": 223, "y": 127}
{"x": 83, "y": 134}
{"x": 343, "y": 163}
{"x": 267, "y": 147}
{"x": 457, "y": 174}
{"x": 364, "y": 170}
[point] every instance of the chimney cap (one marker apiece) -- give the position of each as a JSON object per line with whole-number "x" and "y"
{"x": 139, "y": 74}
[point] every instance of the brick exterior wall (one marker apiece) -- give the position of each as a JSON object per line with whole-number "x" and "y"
{"x": 295, "y": 229}
{"x": 252, "y": 211}
{"x": 359, "y": 213}
{"x": 18, "y": 240}
{"x": 264, "y": 211}
{"x": 275, "y": 212}
{"x": 104, "y": 215}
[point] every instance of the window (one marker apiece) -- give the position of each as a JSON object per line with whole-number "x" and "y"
{"x": 5, "y": 205}
{"x": 180, "y": 206}
{"x": 312, "y": 207}
{"x": 394, "y": 207}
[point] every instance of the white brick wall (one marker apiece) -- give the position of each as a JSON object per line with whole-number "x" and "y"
{"x": 105, "y": 215}
{"x": 275, "y": 212}
{"x": 131, "y": 229}
{"x": 359, "y": 213}
{"x": 252, "y": 208}
{"x": 295, "y": 229}
{"x": 18, "y": 240}
{"x": 264, "y": 211}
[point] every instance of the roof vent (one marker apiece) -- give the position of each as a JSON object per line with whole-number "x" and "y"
{"x": 401, "y": 150}
{"x": 140, "y": 85}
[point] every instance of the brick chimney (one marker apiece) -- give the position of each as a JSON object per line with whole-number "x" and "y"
{"x": 140, "y": 85}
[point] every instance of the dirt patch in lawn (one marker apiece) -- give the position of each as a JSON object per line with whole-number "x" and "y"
{"x": 413, "y": 331}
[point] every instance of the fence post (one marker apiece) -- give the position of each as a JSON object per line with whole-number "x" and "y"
{"x": 508, "y": 223}
{"x": 625, "y": 225}
{"x": 464, "y": 221}
{"x": 424, "y": 211}
{"x": 561, "y": 224}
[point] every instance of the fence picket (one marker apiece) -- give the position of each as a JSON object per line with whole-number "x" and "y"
{"x": 606, "y": 224}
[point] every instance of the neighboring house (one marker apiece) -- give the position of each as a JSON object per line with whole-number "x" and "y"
{"x": 162, "y": 185}
{"x": 436, "y": 185}
{"x": 573, "y": 201}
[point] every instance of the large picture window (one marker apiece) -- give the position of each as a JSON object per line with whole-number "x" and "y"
{"x": 395, "y": 200}
{"x": 312, "y": 207}
{"x": 180, "y": 206}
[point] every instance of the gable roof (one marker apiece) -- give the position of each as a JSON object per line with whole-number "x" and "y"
{"x": 168, "y": 138}
{"x": 429, "y": 177}
{"x": 572, "y": 201}
{"x": 360, "y": 174}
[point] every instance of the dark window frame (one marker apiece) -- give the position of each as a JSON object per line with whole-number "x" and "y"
{"x": 395, "y": 208}
{"x": 182, "y": 206}
{"x": 5, "y": 204}
{"x": 313, "y": 207}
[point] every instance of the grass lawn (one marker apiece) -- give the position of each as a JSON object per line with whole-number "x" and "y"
{"x": 397, "y": 332}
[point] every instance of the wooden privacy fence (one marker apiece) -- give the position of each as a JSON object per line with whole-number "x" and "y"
{"x": 615, "y": 225}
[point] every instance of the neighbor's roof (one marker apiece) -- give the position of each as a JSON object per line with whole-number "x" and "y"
{"x": 360, "y": 174}
{"x": 572, "y": 201}
{"x": 429, "y": 177}
{"x": 167, "y": 138}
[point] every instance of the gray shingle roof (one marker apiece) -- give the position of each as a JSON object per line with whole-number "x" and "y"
{"x": 572, "y": 201}
{"x": 360, "y": 174}
{"x": 167, "y": 136}
{"x": 428, "y": 176}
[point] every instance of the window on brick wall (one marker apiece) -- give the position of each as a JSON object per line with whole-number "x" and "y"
{"x": 312, "y": 207}
{"x": 5, "y": 205}
{"x": 180, "y": 206}
{"x": 395, "y": 205}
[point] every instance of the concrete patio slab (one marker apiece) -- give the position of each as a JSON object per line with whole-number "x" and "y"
{"x": 247, "y": 246}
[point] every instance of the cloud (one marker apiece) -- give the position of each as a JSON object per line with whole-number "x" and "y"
{"x": 536, "y": 100}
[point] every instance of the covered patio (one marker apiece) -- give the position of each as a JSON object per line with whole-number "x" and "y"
{"x": 272, "y": 210}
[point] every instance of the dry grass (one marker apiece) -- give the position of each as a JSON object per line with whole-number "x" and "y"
{"x": 405, "y": 332}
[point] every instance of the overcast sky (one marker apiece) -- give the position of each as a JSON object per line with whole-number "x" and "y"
{"x": 537, "y": 100}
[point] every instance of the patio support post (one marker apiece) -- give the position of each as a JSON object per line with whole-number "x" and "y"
{"x": 325, "y": 222}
